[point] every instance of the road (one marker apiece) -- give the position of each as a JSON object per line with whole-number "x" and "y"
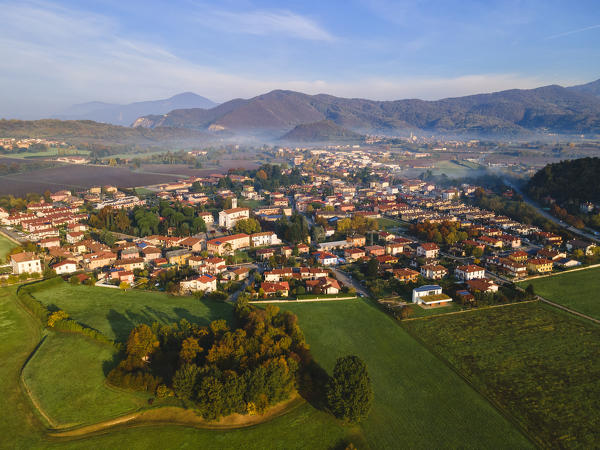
{"x": 233, "y": 297}
{"x": 581, "y": 233}
{"x": 349, "y": 281}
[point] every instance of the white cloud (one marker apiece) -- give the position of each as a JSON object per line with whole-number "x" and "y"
{"x": 53, "y": 57}
{"x": 284, "y": 23}
{"x": 578, "y": 30}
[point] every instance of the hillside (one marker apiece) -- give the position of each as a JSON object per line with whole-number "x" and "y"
{"x": 87, "y": 131}
{"x": 572, "y": 181}
{"x": 323, "y": 131}
{"x": 588, "y": 88}
{"x": 514, "y": 112}
{"x": 126, "y": 114}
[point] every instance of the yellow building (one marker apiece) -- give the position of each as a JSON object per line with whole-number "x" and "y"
{"x": 539, "y": 265}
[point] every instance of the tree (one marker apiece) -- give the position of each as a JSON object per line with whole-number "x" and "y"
{"x": 57, "y": 316}
{"x": 184, "y": 380}
{"x": 107, "y": 238}
{"x": 349, "y": 391}
{"x": 141, "y": 342}
{"x": 247, "y": 226}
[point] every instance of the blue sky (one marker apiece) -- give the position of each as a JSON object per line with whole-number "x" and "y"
{"x": 56, "y": 53}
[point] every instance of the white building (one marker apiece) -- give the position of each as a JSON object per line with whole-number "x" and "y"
{"x": 65, "y": 267}
{"x": 264, "y": 238}
{"x": 25, "y": 262}
{"x": 207, "y": 217}
{"x": 229, "y": 217}
{"x": 430, "y": 295}
{"x": 469, "y": 272}
{"x": 428, "y": 250}
{"x": 204, "y": 283}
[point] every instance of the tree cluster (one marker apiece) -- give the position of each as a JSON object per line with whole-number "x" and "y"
{"x": 216, "y": 369}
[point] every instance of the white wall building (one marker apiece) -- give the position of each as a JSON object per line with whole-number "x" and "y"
{"x": 25, "y": 263}
{"x": 228, "y": 217}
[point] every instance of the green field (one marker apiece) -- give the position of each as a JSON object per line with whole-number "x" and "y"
{"x": 385, "y": 223}
{"x": 419, "y": 401}
{"x": 23, "y": 428}
{"x": 417, "y": 311}
{"x": 115, "y": 313}
{"x": 50, "y": 153}
{"x": 539, "y": 363}
{"x": 5, "y": 246}
{"x": 83, "y": 398}
{"x": 578, "y": 290}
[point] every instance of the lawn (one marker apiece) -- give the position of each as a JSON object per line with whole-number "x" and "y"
{"x": 22, "y": 428}
{"x": 82, "y": 397}
{"x": 419, "y": 402}
{"x": 417, "y": 311}
{"x": 5, "y": 246}
{"x": 538, "y": 363}
{"x": 385, "y": 223}
{"x": 578, "y": 290}
{"x": 115, "y": 313}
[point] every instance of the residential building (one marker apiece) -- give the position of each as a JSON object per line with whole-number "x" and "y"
{"x": 25, "y": 262}
{"x": 228, "y": 244}
{"x": 65, "y": 267}
{"x": 433, "y": 271}
{"x": 204, "y": 283}
{"x": 428, "y": 250}
{"x": 539, "y": 265}
{"x": 469, "y": 272}
{"x": 229, "y": 217}
{"x": 430, "y": 295}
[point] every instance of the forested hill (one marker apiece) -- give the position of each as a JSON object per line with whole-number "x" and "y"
{"x": 546, "y": 109}
{"x": 572, "y": 181}
{"x": 89, "y": 131}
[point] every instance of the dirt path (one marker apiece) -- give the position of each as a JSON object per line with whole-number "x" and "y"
{"x": 571, "y": 311}
{"x": 172, "y": 415}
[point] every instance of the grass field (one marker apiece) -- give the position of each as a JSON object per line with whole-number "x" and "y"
{"x": 386, "y": 223}
{"x": 578, "y": 290}
{"x": 82, "y": 398}
{"x": 417, "y": 311}
{"x": 5, "y": 246}
{"x": 115, "y": 313}
{"x": 535, "y": 361}
{"x": 50, "y": 153}
{"x": 419, "y": 402}
{"x": 22, "y": 428}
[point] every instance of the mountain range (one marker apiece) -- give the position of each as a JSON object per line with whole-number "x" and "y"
{"x": 126, "y": 114}
{"x": 516, "y": 112}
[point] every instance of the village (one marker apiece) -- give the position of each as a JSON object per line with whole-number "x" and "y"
{"x": 353, "y": 229}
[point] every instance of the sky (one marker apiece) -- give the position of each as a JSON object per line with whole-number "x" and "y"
{"x": 57, "y": 53}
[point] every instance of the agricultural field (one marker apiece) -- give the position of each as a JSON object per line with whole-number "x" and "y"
{"x": 419, "y": 402}
{"x": 77, "y": 177}
{"x": 539, "y": 364}
{"x": 579, "y": 290}
{"x": 114, "y": 313}
{"x": 50, "y": 153}
{"x": 5, "y": 246}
